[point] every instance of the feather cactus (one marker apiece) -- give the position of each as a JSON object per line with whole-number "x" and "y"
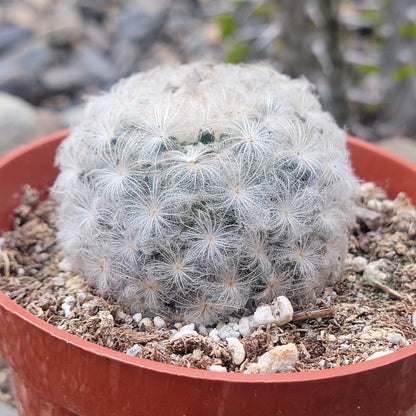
{"x": 198, "y": 191}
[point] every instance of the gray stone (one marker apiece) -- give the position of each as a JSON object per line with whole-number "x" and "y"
{"x": 20, "y": 122}
{"x": 63, "y": 26}
{"x": 140, "y": 20}
{"x": 14, "y": 80}
{"x": 95, "y": 65}
{"x": 11, "y": 35}
{"x": 21, "y": 68}
{"x": 64, "y": 78}
{"x": 125, "y": 56}
{"x": 33, "y": 57}
{"x": 98, "y": 36}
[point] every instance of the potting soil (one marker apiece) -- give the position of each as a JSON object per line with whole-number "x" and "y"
{"x": 371, "y": 311}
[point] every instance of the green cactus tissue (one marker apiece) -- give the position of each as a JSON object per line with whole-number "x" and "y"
{"x": 197, "y": 192}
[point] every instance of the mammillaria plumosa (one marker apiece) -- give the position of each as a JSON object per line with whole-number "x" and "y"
{"x": 197, "y": 192}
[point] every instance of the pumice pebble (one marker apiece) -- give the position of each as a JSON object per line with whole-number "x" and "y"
{"x": 280, "y": 359}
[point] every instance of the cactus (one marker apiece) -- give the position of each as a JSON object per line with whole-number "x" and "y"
{"x": 199, "y": 191}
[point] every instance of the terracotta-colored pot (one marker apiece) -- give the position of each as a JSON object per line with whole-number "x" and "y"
{"x": 57, "y": 374}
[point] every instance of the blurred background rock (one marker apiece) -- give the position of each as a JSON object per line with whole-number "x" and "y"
{"x": 361, "y": 55}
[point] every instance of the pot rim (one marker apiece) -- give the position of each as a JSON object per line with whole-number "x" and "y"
{"x": 171, "y": 369}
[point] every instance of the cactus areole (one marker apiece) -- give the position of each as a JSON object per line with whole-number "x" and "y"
{"x": 197, "y": 192}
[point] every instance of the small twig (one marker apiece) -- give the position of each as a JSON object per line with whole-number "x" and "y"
{"x": 388, "y": 290}
{"x": 312, "y": 314}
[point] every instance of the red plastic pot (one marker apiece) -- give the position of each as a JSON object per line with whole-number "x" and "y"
{"x": 57, "y": 374}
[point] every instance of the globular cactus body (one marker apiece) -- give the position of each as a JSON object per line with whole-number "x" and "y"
{"x": 199, "y": 191}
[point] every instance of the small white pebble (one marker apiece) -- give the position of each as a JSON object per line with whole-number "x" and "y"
{"x": 135, "y": 350}
{"x": 120, "y": 315}
{"x": 378, "y": 354}
{"x": 177, "y": 325}
{"x": 331, "y": 338}
{"x": 322, "y": 363}
{"x": 37, "y": 248}
{"x": 43, "y": 256}
{"x": 90, "y": 307}
{"x": 263, "y": 315}
{"x": 227, "y": 331}
{"x": 280, "y": 359}
{"x": 344, "y": 347}
{"x": 21, "y": 271}
{"x": 58, "y": 281}
{"x": 414, "y": 319}
{"x": 238, "y": 353}
{"x": 351, "y": 278}
{"x": 387, "y": 205}
{"x": 359, "y": 263}
{"x": 395, "y": 338}
{"x": 81, "y": 296}
{"x": 376, "y": 270}
{"x": 213, "y": 334}
{"x": 375, "y": 205}
{"x": 188, "y": 328}
{"x": 185, "y": 330}
{"x": 159, "y": 322}
{"x": 282, "y": 310}
{"x": 65, "y": 265}
{"x": 244, "y": 326}
{"x": 367, "y": 187}
{"x": 66, "y": 307}
{"x": 69, "y": 299}
{"x": 202, "y": 329}
{"x": 147, "y": 323}
{"x": 217, "y": 368}
{"x": 137, "y": 317}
